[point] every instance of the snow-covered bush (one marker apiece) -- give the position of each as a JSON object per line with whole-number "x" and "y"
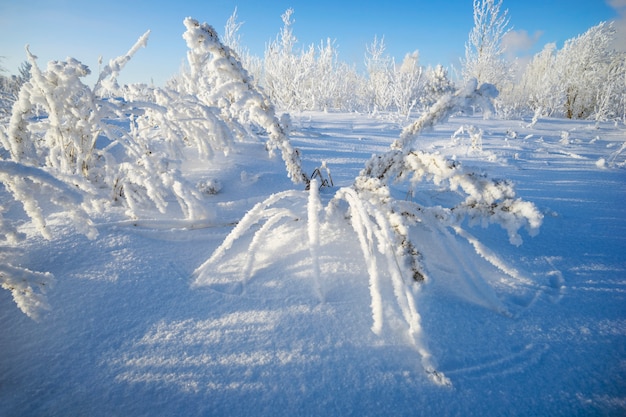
{"x": 475, "y": 137}
{"x": 69, "y": 128}
{"x": 93, "y": 138}
{"x": 86, "y": 150}
{"x": 384, "y": 225}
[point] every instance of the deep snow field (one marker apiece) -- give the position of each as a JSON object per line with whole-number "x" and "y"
{"x": 270, "y": 332}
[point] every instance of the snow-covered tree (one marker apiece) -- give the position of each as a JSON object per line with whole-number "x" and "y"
{"x": 539, "y": 82}
{"x": 285, "y": 71}
{"x": 392, "y": 87}
{"x": 584, "y": 79}
{"x": 484, "y": 55}
{"x": 10, "y": 86}
{"x": 232, "y": 39}
{"x": 407, "y": 84}
{"x": 589, "y": 71}
{"x": 309, "y": 79}
{"x": 379, "y": 69}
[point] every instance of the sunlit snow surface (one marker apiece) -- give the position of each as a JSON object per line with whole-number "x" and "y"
{"x": 281, "y": 329}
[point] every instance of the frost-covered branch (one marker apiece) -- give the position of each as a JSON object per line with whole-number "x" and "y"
{"x": 29, "y": 186}
{"x": 27, "y": 287}
{"x": 107, "y": 80}
{"x": 219, "y": 79}
{"x": 486, "y": 201}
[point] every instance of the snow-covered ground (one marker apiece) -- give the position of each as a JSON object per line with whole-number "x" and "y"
{"x": 280, "y": 323}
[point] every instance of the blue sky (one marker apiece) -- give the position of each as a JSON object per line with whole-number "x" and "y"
{"x": 85, "y": 30}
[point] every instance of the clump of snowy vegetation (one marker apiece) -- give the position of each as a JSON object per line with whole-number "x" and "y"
{"x": 383, "y": 224}
{"x": 108, "y": 147}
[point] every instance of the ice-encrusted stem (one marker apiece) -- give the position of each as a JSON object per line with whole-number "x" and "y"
{"x": 314, "y": 207}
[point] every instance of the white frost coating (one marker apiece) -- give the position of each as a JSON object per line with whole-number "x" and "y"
{"x": 363, "y": 226}
{"x": 27, "y": 288}
{"x": 274, "y": 216}
{"x": 108, "y": 76}
{"x": 314, "y": 207}
{"x": 255, "y": 215}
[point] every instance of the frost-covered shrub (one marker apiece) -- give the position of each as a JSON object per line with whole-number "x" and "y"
{"x": 94, "y": 140}
{"x": 475, "y": 137}
{"x": 114, "y": 145}
{"x": 219, "y": 81}
{"x": 383, "y": 225}
{"x": 210, "y": 186}
{"x": 65, "y": 137}
{"x": 486, "y": 201}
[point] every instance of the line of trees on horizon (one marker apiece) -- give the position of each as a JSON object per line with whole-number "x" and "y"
{"x": 585, "y": 79}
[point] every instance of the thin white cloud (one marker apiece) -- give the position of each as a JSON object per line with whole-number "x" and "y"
{"x": 620, "y": 23}
{"x": 517, "y": 42}
{"x": 617, "y": 4}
